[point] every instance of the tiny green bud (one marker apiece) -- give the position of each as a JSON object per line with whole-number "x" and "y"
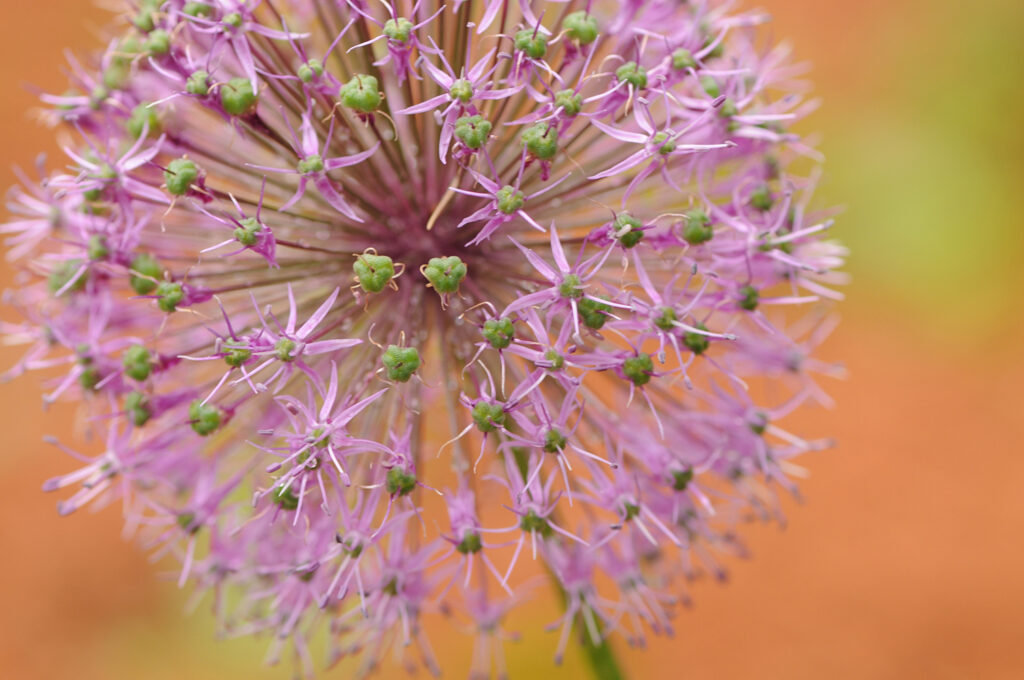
{"x": 571, "y": 287}
{"x": 137, "y": 362}
{"x": 169, "y": 295}
{"x": 373, "y": 272}
{"x": 711, "y": 86}
{"x": 628, "y": 230}
{"x": 204, "y": 418}
{"x": 311, "y": 69}
{"x": 362, "y": 93}
{"x": 399, "y": 30}
{"x": 237, "y": 97}
{"x": 399, "y": 482}
{"x": 593, "y": 313}
{"x": 473, "y": 131}
{"x": 488, "y": 417}
{"x": 629, "y": 511}
{"x": 541, "y": 140}
{"x": 697, "y": 343}
{"x": 179, "y": 176}
{"x": 285, "y": 498}
{"x": 761, "y": 198}
{"x": 470, "y": 543}
{"x": 311, "y": 164}
{"x": 681, "y": 479}
{"x": 581, "y": 27}
{"x": 498, "y": 332}
{"x": 571, "y": 102}
{"x": 509, "y": 200}
{"x": 187, "y": 522}
{"x": 682, "y": 59}
{"x": 400, "y": 363}
{"x": 197, "y": 9}
{"x": 445, "y": 273}
{"x": 749, "y": 297}
{"x": 554, "y": 441}
{"x": 759, "y": 423}
{"x": 283, "y": 350}
{"x": 728, "y": 109}
{"x": 144, "y": 20}
{"x": 145, "y": 117}
{"x": 235, "y": 356}
{"x": 136, "y": 405}
{"x": 98, "y": 248}
{"x": 158, "y": 42}
{"x": 461, "y": 90}
{"x": 90, "y": 376}
{"x": 146, "y": 273}
{"x": 638, "y": 369}
{"x": 665, "y": 143}
{"x": 68, "y": 272}
{"x": 198, "y": 84}
{"x": 234, "y": 20}
{"x": 532, "y": 42}
{"x": 666, "y": 319}
{"x": 248, "y": 234}
{"x": 531, "y": 522}
{"x": 556, "y": 360}
{"x": 632, "y": 73}
{"x": 698, "y": 227}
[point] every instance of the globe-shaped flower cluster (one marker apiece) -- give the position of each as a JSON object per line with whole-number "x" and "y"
{"x": 376, "y": 311}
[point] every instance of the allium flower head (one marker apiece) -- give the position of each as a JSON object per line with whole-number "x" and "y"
{"x": 378, "y": 310}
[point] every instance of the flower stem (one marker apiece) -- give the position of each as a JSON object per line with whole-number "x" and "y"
{"x": 602, "y": 660}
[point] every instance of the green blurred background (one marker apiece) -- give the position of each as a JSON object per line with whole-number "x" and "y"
{"x": 906, "y": 559}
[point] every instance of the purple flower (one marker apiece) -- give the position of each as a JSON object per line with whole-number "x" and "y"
{"x": 384, "y": 322}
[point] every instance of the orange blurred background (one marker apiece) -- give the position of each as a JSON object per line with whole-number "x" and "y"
{"x": 906, "y": 559}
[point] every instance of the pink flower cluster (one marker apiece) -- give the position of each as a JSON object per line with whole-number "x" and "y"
{"x": 375, "y": 309}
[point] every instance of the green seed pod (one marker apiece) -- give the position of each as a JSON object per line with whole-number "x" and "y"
{"x": 554, "y": 441}
{"x": 638, "y": 369}
{"x": 400, "y": 363}
{"x": 399, "y": 482}
{"x": 461, "y": 90}
{"x": 248, "y": 234}
{"x": 697, "y": 343}
{"x": 146, "y": 274}
{"x": 571, "y": 287}
{"x": 632, "y": 73}
{"x": 445, "y": 273}
{"x": 488, "y": 417}
{"x": 198, "y": 84}
{"x": 170, "y": 294}
{"x": 180, "y": 175}
{"x": 473, "y": 131}
{"x": 541, "y": 141}
{"x": 143, "y": 117}
{"x": 509, "y": 200}
{"x": 399, "y": 30}
{"x": 362, "y": 93}
{"x": 533, "y": 43}
{"x": 698, "y": 227}
{"x": 68, "y": 272}
{"x": 204, "y": 418}
{"x": 581, "y": 27}
{"x": 594, "y": 314}
{"x": 237, "y": 97}
{"x": 498, "y": 332}
{"x": 749, "y": 298}
{"x": 373, "y": 272}
{"x": 137, "y": 362}
{"x": 136, "y": 405}
{"x": 571, "y": 102}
